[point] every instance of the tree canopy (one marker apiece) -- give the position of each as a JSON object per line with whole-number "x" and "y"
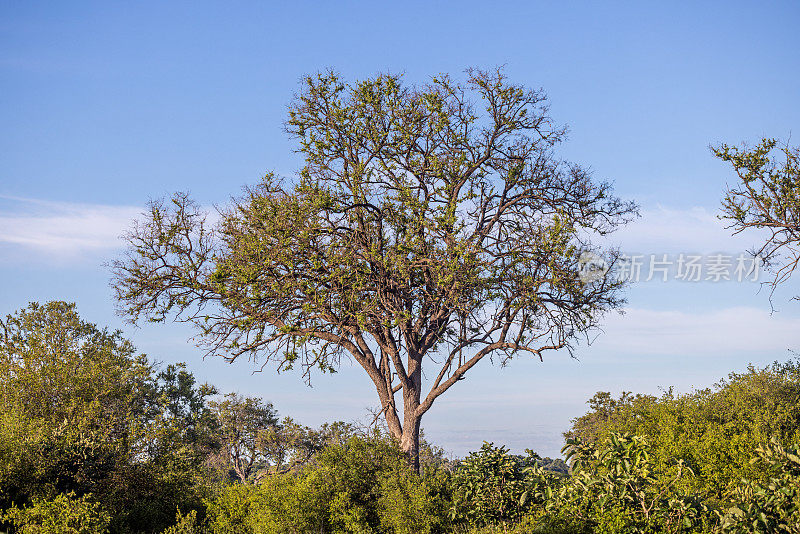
{"x": 428, "y": 225}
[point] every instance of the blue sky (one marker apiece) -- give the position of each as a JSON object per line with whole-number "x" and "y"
{"x": 105, "y": 105}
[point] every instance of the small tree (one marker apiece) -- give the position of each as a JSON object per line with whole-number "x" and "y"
{"x": 74, "y": 405}
{"x": 766, "y": 197}
{"x": 254, "y": 444}
{"x": 289, "y": 446}
{"x": 423, "y": 229}
{"x": 242, "y": 422}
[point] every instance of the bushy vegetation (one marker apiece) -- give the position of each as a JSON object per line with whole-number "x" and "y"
{"x": 97, "y": 439}
{"x": 715, "y": 431}
{"x": 84, "y": 418}
{"x": 361, "y": 485}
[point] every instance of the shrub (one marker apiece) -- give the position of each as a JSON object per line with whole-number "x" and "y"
{"x": 288, "y": 504}
{"x": 773, "y": 506}
{"x": 363, "y": 484}
{"x": 63, "y": 514}
{"x": 373, "y": 488}
{"x": 493, "y": 486}
{"x": 413, "y": 504}
{"x": 232, "y": 508}
{"x": 714, "y": 431}
{"x": 186, "y": 524}
{"x": 616, "y": 487}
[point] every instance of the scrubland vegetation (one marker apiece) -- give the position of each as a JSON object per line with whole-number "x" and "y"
{"x": 95, "y": 438}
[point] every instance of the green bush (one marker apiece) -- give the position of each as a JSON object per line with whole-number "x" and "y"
{"x": 280, "y": 504}
{"x": 186, "y": 524}
{"x": 232, "y": 509}
{"x": 492, "y": 486}
{"x": 363, "y": 484}
{"x": 355, "y": 472}
{"x": 616, "y": 487}
{"x": 413, "y": 504}
{"x": 715, "y": 431}
{"x": 773, "y": 506}
{"x": 64, "y": 514}
{"x": 373, "y": 489}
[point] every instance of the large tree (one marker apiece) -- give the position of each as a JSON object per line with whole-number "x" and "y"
{"x": 766, "y": 197}
{"x": 428, "y": 226}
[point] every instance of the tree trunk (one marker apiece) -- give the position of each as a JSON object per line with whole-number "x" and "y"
{"x": 409, "y": 441}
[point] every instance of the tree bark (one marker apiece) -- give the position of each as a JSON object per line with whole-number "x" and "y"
{"x": 409, "y": 441}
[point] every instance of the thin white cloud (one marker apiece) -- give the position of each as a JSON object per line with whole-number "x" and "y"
{"x": 662, "y": 229}
{"x": 723, "y": 331}
{"x": 62, "y": 229}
